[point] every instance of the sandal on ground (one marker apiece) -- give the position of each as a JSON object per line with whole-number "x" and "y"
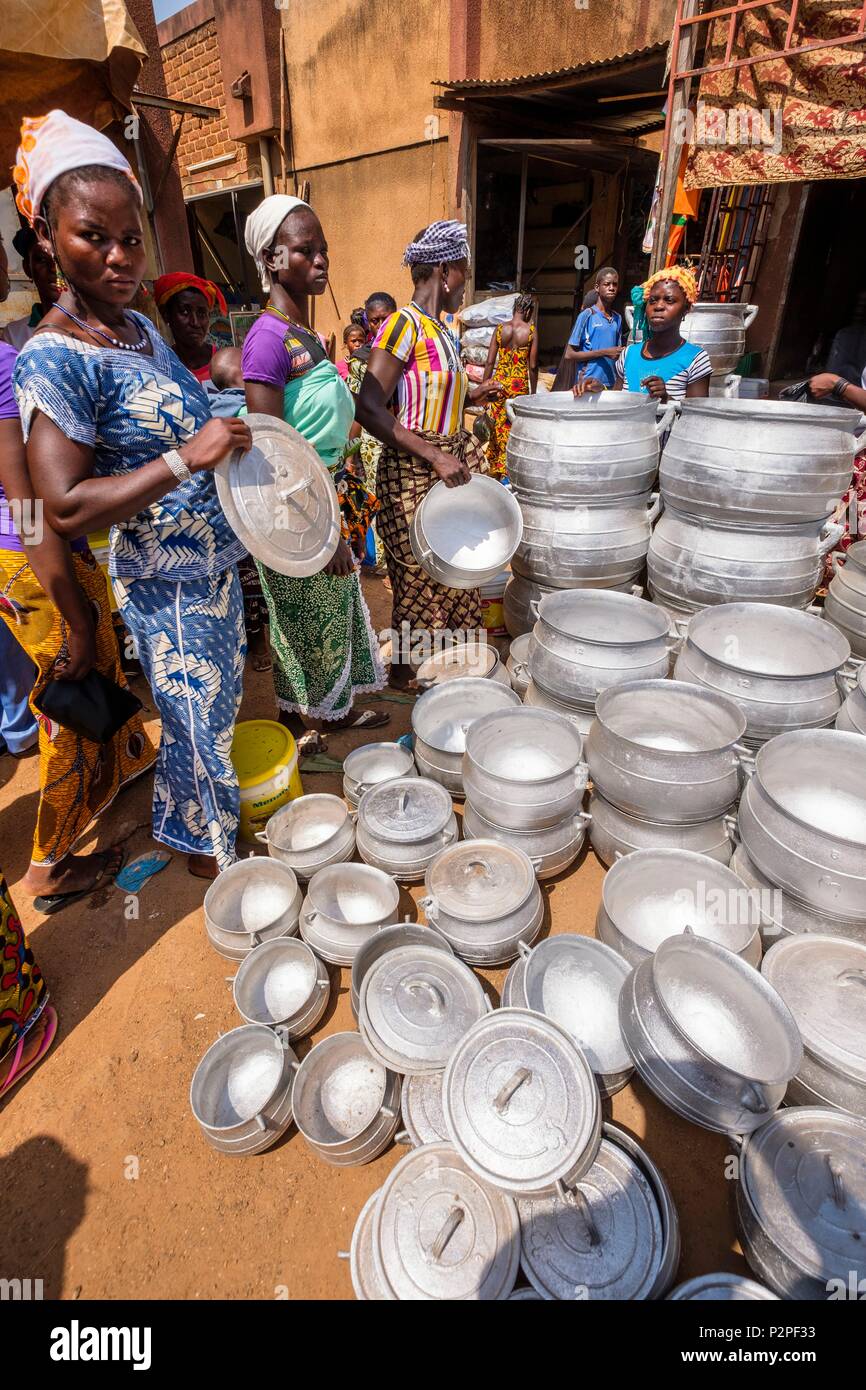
{"x": 16, "y": 1071}
{"x": 261, "y": 662}
{"x": 50, "y": 903}
{"x": 366, "y": 719}
{"x": 311, "y": 743}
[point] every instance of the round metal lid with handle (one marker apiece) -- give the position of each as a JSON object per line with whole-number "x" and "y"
{"x": 721, "y": 1288}
{"x": 421, "y": 1104}
{"x": 521, "y": 1103}
{"x": 416, "y": 1003}
{"x": 822, "y": 979}
{"x": 280, "y": 500}
{"x": 576, "y": 981}
{"x": 439, "y": 1233}
{"x": 406, "y": 809}
{"x": 480, "y": 880}
{"x": 803, "y": 1174}
{"x": 604, "y": 1240}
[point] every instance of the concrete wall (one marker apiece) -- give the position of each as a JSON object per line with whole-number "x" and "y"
{"x": 557, "y": 34}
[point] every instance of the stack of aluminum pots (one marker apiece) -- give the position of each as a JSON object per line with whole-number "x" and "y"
{"x": 748, "y": 487}
{"x": 582, "y": 471}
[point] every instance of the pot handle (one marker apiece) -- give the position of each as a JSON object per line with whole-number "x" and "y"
{"x": 428, "y": 907}
{"x": 838, "y": 556}
{"x": 454, "y": 1218}
{"x": 524, "y": 949}
{"x": 582, "y": 819}
{"x": 581, "y": 777}
{"x": 654, "y": 508}
{"x": 846, "y": 679}
{"x": 835, "y": 531}
{"x": 853, "y": 977}
{"x": 260, "y": 1123}
{"x": 746, "y": 758}
{"x": 637, "y": 590}
{"x": 667, "y": 417}
{"x": 433, "y": 994}
{"x": 732, "y": 827}
{"x": 262, "y": 837}
{"x": 536, "y": 863}
{"x": 750, "y": 315}
{"x": 512, "y": 1085}
{"x": 752, "y": 1100}
{"x": 509, "y": 410}
{"x": 573, "y": 1197}
{"x": 389, "y": 1111}
{"x": 533, "y": 607}
{"x": 311, "y": 914}
{"x": 403, "y": 1137}
{"x": 840, "y": 1197}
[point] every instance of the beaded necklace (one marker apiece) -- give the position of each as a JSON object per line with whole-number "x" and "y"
{"x": 100, "y": 333}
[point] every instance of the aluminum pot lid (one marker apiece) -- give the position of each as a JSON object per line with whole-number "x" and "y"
{"x": 406, "y": 809}
{"x": 520, "y": 1101}
{"x": 417, "y": 1003}
{"x": 576, "y": 981}
{"x": 804, "y": 1175}
{"x": 365, "y": 1280}
{"x": 721, "y": 1288}
{"x": 480, "y": 880}
{"x": 421, "y": 1103}
{"x": 439, "y": 1233}
{"x": 822, "y": 979}
{"x": 280, "y": 500}
{"x": 605, "y": 1240}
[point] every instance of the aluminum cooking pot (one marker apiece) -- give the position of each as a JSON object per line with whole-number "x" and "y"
{"x": 667, "y": 751}
{"x": 416, "y": 1003}
{"x": 251, "y": 902}
{"x": 758, "y": 463}
{"x": 242, "y": 1089}
{"x": 517, "y": 664}
{"x": 802, "y": 818}
{"x": 801, "y": 1203}
{"x": 783, "y": 916}
{"x": 522, "y": 768}
{"x": 520, "y": 594}
{"x": 653, "y": 894}
{"x": 780, "y": 665}
{"x": 720, "y": 329}
{"x": 692, "y": 563}
{"x": 282, "y": 982}
{"x": 403, "y": 824}
{"x": 310, "y": 833}
{"x": 822, "y": 979}
{"x": 597, "y": 448}
{"x": 851, "y": 718}
{"x": 346, "y": 904}
{"x": 463, "y": 661}
{"x": 721, "y": 1288}
{"x": 372, "y": 763}
{"x": 388, "y": 939}
{"x": 709, "y": 1035}
{"x": 572, "y": 545}
{"x": 613, "y": 833}
{"x": 551, "y": 850}
{"x": 580, "y": 715}
{"x": 845, "y": 604}
{"x": 484, "y": 899}
{"x": 347, "y": 1105}
{"x": 440, "y": 720}
{"x": 463, "y": 537}
{"x": 585, "y": 640}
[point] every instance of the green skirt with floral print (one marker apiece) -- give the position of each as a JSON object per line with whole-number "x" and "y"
{"x": 325, "y": 650}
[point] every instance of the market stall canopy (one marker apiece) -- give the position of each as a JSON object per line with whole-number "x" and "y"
{"x": 83, "y": 56}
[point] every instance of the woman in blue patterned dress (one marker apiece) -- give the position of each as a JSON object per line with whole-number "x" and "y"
{"x": 119, "y": 433}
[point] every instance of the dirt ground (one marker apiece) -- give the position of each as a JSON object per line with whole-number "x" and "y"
{"x": 109, "y": 1189}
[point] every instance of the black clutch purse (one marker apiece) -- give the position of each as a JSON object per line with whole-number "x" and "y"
{"x": 93, "y": 708}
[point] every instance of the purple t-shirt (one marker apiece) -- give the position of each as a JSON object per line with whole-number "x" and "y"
{"x": 274, "y": 352}
{"x": 9, "y": 538}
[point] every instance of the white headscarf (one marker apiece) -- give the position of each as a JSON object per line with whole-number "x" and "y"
{"x": 263, "y": 225}
{"x": 56, "y": 144}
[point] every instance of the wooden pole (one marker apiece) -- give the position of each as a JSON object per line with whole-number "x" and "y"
{"x": 682, "y": 55}
{"x": 521, "y": 224}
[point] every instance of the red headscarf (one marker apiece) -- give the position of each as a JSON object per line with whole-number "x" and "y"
{"x": 169, "y": 285}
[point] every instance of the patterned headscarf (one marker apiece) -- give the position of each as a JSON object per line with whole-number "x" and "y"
{"x": 441, "y": 241}
{"x": 56, "y": 144}
{"x": 681, "y": 275}
{"x": 169, "y": 285}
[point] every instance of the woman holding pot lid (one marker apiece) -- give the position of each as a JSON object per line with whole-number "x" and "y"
{"x": 415, "y": 359}
{"x": 119, "y": 434}
{"x": 325, "y": 650}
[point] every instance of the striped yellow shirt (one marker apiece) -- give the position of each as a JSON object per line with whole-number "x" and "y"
{"x": 431, "y": 392}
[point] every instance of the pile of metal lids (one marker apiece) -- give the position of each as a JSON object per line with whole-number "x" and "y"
{"x": 415, "y": 1005}
{"x": 822, "y": 979}
{"x": 801, "y": 1203}
{"x": 403, "y": 824}
{"x": 483, "y": 897}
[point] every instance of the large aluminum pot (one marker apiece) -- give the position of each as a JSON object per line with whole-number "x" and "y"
{"x": 709, "y": 1035}
{"x": 347, "y": 1105}
{"x": 346, "y": 905}
{"x": 372, "y": 763}
{"x": 552, "y": 850}
{"x": 598, "y": 448}
{"x": 522, "y": 768}
{"x": 310, "y": 833}
{"x": 692, "y": 563}
{"x": 758, "y": 463}
{"x": 585, "y": 640}
{"x": 389, "y": 939}
{"x": 403, "y": 824}
{"x": 780, "y": 665}
{"x": 517, "y": 664}
{"x": 653, "y": 894}
{"x": 783, "y": 916}
{"x": 851, "y": 718}
{"x": 570, "y": 545}
{"x": 464, "y": 536}
{"x": 282, "y": 982}
{"x": 252, "y": 901}
{"x": 241, "y": 1090}
{"x": 845, "y": 604}
{"x": 440, "y": 719}
{"x": 613, "y": 833}
{"x": 667, "y": 751}
{"x": 802, "y": 818}
{"x": 720, "y": 329}
{"x": 520, "y": 595}
{"x": 484, "y": 899}
{"x": 581, "y": 716}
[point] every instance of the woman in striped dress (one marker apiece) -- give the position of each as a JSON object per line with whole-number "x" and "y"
{"x": 416, "y": 360}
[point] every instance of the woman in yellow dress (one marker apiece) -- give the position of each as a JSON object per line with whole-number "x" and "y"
{"x": 512, "y": 362}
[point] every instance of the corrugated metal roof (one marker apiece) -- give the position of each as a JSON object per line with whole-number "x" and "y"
{"x": 468, "y": 84}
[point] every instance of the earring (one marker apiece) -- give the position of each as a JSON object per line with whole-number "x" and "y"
{"x": 62, "y": 282}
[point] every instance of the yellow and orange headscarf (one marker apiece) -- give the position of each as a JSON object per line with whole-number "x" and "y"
{"x": 56, "y": 144}
{"x": 680, "y": 274}
{"x": 167, "y": 286}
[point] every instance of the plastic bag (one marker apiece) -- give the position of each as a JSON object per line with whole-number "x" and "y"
{"x": 477, "y": 337}
{"x": 489, "y": 313}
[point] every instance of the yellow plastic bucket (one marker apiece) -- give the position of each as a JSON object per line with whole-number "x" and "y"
{"x": 100, "y": 545}
{"x": 492, "y": 610}
{"x": 265, "y": 757}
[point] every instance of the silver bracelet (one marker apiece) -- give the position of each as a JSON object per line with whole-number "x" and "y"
{"x": 177, "y": 466}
